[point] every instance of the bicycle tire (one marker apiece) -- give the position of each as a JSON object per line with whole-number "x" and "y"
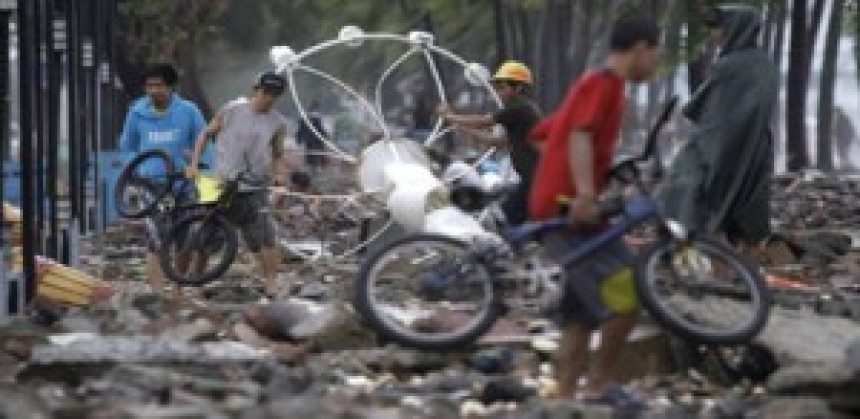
{"x": 749, "y": 276}
{"x": 128, "y": 178}
{"x": 218, "y": 231}
{"x": 363, "y": 302}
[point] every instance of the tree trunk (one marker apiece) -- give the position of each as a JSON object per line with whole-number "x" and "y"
{"x": 528, "y": 54}
{"x": 549, "y": 60}
{"x": 501, "y": 38}
{"x": 812, "y": 36}
{"x": 828, "y": 84}
{"x": 673, "y": 47}
{"x": 797, "y": 157}
{"x": 770, "y": 18}
{"x": 515, "y": 39}
{"x": 778, "y": 47}
{"x": 564, "y": 16}
{"x": 777, "y": 52}
{"x": 857, "y": 39}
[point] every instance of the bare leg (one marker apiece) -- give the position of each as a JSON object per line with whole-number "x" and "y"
{"x": 613, "y": 338}
{"x": 270, "y": 259}
{"x": 572, "y": 357}
{"x": 154, "y": 275}
{"x": 155, "y": 278}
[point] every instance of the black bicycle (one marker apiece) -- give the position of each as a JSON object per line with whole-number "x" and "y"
{"x": 150, "y": 183}
{"x": 435, "y": 292}
{"x": 202, "y": 242}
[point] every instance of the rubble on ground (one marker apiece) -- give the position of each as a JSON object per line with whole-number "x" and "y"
{"x": 224, "y": 351}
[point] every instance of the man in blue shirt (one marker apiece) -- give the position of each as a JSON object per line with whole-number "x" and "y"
{"x": 161, "y": 120}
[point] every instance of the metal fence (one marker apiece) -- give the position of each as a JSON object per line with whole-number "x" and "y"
{"x": 63, "y": 53}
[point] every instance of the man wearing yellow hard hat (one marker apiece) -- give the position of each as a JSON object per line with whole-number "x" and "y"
{"x": 518, "y": 115}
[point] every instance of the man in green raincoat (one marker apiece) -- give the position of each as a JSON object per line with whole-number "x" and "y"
{"x": 720, "y": 181}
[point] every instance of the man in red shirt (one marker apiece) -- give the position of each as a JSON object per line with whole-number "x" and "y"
{"x": 578, "y": 143}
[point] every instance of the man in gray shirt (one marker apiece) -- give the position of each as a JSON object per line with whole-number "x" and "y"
{"x": 250, "y": 136}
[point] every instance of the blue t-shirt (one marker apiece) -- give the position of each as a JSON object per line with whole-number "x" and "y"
{"x": 174, "y": 130}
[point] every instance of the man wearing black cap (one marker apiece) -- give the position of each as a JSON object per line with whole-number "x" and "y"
{"x": 250, "y": 137}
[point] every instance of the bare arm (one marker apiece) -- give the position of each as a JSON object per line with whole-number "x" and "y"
{"x": 278, "y": 156}
{"x": 466, "y": 121}
{"x": 581, "y": 157}
{"x": 470, "y": 121}
{"x": 211, "y": 130}
{"x": 483, "y": 138}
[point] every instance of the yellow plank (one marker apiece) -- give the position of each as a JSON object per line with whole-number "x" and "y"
{"x": 61, "y": 296}
{"x": 63, "y": 283}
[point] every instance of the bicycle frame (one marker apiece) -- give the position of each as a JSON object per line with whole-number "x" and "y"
{"x": 636, "y": 211}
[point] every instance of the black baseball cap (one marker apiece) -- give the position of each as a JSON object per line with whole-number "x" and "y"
{"x": 271, "y": 82}
{"x": 713, "y": 18}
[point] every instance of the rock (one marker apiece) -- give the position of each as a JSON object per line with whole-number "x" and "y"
{"x": 196, "y": 331}
{"x": 798, "y": 408}
{"x": 732, "y": 405}
{"x": 99, "y": 349}
{"x": 506, "y": 389}
{"x": 279, "y": 380}
{"x": 17, "y": 402}
{"x": 803, "y": 337}
{"x": 315, "y": 291}
{"x": 809, "y": 379}
{"x": 79, "y": 323}
{"x": 494, "y": 360}
{"x": 326, "y": 327}
{"x": 402, "y": 361}
{"x": 852, "y": 357}
{"x": 569, "y": 410}
{"x": 151, "y": 305}
{"x": 171, "y": 412}
{"x": 294, "y": 407}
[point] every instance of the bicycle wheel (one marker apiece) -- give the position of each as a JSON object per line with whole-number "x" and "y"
{"x": 425, "y": 292}
{"x": 143, "y": 183}
{"x": 198, "y": 249}
{"x": 702, "y": 291}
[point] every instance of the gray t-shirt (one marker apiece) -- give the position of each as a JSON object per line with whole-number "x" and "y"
{"x": 246, "y": 141}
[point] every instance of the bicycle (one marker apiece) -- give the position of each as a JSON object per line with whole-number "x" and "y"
{"x": 150, "y": 183}
{"x": 202, "y": 244}
{"x": 454, "y": 290}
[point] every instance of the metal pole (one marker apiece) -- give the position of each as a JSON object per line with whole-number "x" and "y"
{"x": 56, "y": 43}
{"x": 76, "y": 135}
{"x": 37, "y": 79}
{"x": 4, "y": 120}
{"x": 26, "y": 59}
{"x": 87, "y": 102}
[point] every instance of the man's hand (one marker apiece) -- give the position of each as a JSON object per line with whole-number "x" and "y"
{"x": 443, "y": 110}
{"x": 584, "y": 210}
{"x": 192, "y": 171}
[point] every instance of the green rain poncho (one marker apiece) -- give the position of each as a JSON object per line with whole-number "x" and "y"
{"x": 720, "y": 181}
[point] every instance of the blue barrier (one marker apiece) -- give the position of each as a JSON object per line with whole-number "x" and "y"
{"x": 12, "y": 181}
{"x": 111, "y": 163}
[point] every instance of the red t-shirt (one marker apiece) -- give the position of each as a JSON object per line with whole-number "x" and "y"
{"x": 595, "y": 104}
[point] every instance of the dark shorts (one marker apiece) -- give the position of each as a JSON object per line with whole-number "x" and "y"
{"x": 594, "y": 288}
{"x": 259, "y": 230}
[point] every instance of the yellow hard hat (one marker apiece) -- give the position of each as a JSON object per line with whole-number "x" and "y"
{"x": 514, "y": 71}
